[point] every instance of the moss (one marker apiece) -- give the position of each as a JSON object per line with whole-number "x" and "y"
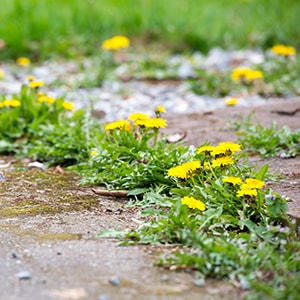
{"x": 59, "y": 236}
{"x": 31, "y": 192}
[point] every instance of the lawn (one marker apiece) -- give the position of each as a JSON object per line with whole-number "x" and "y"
{"x": 43, "y": 29}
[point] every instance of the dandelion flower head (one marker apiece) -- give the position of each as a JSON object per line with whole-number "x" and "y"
{"x": 160, "y": 109}
{"x": 184, "y": 170}
{"x": 67, "y": 105}
{"x": 120, "y": 124}
{"x": 246, "y": 192}
{"x": 193, "y": 203}
{"x": 231, "y": 101}
{"x": 246, "y": 74}
{"x": 23, "y": 61}
{"x": 11, "y": 103}
{"x": 232, "y": 179}
{"x": 36, "y": 84}
{"x": 115, "y": 43}
{"x": 222, "y": 161}
{"x": 205, "y": 149}
{"x": 283, "y": 50}
{"x": 151, "y": 123}
{"x": 138, "y": 116}
{"x": 253, "y": 183}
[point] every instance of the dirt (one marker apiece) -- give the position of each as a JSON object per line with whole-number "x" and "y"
{"x": 49, "y": 225}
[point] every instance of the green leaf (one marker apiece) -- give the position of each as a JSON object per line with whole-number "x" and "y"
{"x": 262, "y": 172}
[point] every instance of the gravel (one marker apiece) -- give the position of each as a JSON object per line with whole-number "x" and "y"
{"x": 116, "y": 99}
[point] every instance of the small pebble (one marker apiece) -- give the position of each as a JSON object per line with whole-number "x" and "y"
{"x": 37, "y": 165}
{"x": 103, "y": 297}
{"x": 24, "y": 275}
{"x": 199, "y": 282}
{"x": 14, "y": 255}
{"x": 244, "y": 284}
{"x": 115, "y": 281}
{"x": 164, "y": 278}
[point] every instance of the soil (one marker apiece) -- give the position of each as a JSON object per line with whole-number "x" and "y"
{"x": 49, "y": 247}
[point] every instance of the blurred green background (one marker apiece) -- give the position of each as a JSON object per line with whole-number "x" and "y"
{"x": 42, "y": 29}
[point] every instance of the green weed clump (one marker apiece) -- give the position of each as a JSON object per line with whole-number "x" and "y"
{"x": 277, "y": 75}
{"x": 268, "y": 142}
{"x": 37, "y": 125}
{"x": 208, "y": 200}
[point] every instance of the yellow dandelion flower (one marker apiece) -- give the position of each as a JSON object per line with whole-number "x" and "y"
{"x": 23, "y": 61}
{"x": 138, "y": 116}
{"x": 193, "y": 203}
{"x": 184, "y": 170}
{"x": 160, "y": 109}
{"x": 253, "y": 183}
{"x": 222, "y": 161}
{"x": 205, "y": 149}
{"x": 94, "y": 152}
{"x": 230, "y": 146}
{"x": 2, "y": 73}
{"x": 218, "y": 150}
{"x": 30, "y": 77}
{"x": 247, "y": 74}
{"x": 151, "y": 123}
{"x": 12, "y": 103}
{"x": 115, "y": 43}
{"x": 1, "y": 104}
{"x": 232, "y": 179}
{"x": 36, "y": 84}
{"x": 120, "y": 124}
{"x": 67, "y": 105}
{"x": 254, "y": 74}
{"x": 246, "y": 192}
{"x": 231, "y": 101}
{"x": 283, "y": 50}
{"x": 45, "y": 98}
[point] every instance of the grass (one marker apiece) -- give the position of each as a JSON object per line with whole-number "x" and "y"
{"x": 42, "y": 29}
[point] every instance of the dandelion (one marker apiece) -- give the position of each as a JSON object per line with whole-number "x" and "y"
{"x": 151, "y": 123}
{"x": 115, "y": 43}
{"x": 12, "y": 103}
{"x": 232, "y": 179}
{"x": 231, "y": 101}
{"x": 222, "y": 161}
{"x": 120, "y": 124}
{"x": 23, "y": 61}
{"x": 246, "y": 192}
{"x": 36, "y": 84}
{"x": 45, "y": 98}
{"x": 206, "y": 149}
{"x": 230, "y": 146}
{"x": 68, "y": 105}
{"x": 30, "y": 77}
{"x": 283, "y": 50}
{"x": 138, "y": 116}
{"x": 253, "y": 183}
{"x": 193, "y": 203}
{"x": 1, "y": 104}
{"x": 1, "y": 73}
{"x": 94, "y": 152}
{"x": 245, "y": 74}
{"x": 160, "y": 109}
{"x": 184, "y": 170}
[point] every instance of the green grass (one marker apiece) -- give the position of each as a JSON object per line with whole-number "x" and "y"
{"x": 41, "y": 29}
